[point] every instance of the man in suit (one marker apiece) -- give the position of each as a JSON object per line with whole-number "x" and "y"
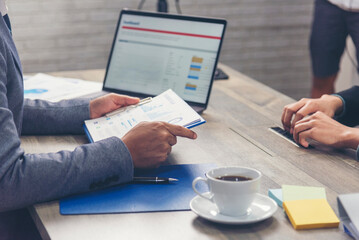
{"x": 29, "y": 178}
{"x": 329, "y": 119}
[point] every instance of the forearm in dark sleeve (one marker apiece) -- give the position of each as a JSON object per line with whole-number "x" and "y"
{"x": 351, "y": 99}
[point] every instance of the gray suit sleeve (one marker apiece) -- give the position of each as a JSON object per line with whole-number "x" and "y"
{"x": 26, "y": 179}
{"x": 31, "y": 178}
{"x": 64, "y": 117}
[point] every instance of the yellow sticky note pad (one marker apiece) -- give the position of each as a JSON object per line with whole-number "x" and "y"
{"x": 292, "y": 192}
{"x": 310, "y": 213}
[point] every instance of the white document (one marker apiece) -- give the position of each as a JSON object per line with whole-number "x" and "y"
{"x": 349, "y": 213}
{"x": 166, "y": 107}
{"x": 46, "y": 87}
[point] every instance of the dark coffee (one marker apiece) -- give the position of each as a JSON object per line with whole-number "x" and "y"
{"x": 234, "y": 178}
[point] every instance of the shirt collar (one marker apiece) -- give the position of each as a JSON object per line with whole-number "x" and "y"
{"x": 3, "y": 7}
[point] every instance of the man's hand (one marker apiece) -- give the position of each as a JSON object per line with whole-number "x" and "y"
{"x": 322, "y": 128}
{"x": 108, "y": 103}
{"x": 150, "y": 142}
{"x": 327, "y": 104}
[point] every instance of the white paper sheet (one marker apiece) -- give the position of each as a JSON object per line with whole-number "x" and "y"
{"x": 166, "y": 107}
{"x": 46, "y": 87}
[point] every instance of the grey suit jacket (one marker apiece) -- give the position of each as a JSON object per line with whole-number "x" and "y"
{"x": 30, "y": 178}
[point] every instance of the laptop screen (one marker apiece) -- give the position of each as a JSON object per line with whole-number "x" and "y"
{"x": 154, "y": 52}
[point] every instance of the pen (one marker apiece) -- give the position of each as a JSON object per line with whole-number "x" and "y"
{"x": 142, "y": 101}
{"x": 153, "y": 180}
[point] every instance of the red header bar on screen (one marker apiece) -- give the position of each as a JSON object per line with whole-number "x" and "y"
{"x": 169, "y": 32}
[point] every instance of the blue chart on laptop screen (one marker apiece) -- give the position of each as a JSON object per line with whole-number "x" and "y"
{"x": 153, "y": 54}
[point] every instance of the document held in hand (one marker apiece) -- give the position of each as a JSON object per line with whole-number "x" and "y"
{"x": 166, "y": 107}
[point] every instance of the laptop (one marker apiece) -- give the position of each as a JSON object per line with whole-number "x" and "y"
{"x": 152, "y": 52}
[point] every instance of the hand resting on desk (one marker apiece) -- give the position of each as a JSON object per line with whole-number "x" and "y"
{"x": 329, "y": 105}
{"x": 326, "y": 130}
{"x": 313, "y": 119}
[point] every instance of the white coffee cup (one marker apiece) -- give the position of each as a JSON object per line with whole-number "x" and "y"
{"x": 232, "y": 198}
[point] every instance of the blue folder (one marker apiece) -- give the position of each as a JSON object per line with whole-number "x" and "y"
{"x": 142, "y": 197}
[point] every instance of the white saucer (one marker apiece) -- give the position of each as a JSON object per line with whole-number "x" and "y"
{"x": 261, "y": 208}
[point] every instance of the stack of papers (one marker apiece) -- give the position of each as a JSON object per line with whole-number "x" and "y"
{"x": 306, "y": 207}
{"x": 166, "y": 107}
{"x": 46, "y": 87}
{"x": 349, "y": 213}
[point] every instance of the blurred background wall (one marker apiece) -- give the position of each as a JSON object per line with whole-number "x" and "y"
{"x": 265, "y": 39}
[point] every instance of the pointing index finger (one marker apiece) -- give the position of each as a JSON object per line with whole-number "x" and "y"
{"x": 180, "y": 131}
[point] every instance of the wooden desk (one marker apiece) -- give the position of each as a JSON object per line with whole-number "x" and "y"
{"x": 236, "y": 133}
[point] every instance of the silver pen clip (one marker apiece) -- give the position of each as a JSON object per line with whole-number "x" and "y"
{"x": 117, "y": 111}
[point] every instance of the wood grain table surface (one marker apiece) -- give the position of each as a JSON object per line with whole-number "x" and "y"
{"x": 236, "y": 134}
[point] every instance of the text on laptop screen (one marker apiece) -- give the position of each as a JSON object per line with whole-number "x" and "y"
{"x": 153, "y": 54}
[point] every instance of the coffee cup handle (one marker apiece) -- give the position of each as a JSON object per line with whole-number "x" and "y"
{"x": 210, "y": 198}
